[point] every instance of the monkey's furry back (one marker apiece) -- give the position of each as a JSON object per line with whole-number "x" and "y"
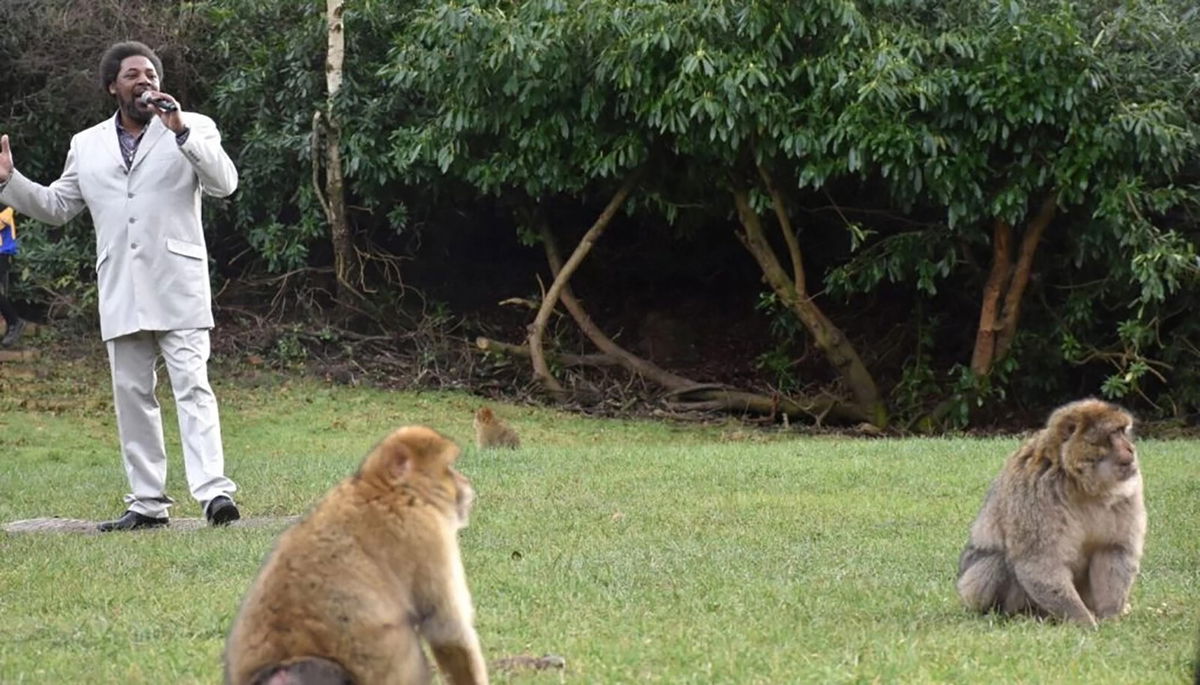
{"x": 338, "y": 573}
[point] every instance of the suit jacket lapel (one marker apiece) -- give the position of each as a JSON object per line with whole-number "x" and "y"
{"x": 154, "y": 133}
{"x": 111, "y": 142}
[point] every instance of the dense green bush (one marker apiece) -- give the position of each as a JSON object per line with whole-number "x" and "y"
{"x": 898, "y": 134}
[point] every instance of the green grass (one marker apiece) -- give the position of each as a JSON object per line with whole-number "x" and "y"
{"x": 640, "y": 552}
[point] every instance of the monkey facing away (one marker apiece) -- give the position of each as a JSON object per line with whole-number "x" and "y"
{"x": 1062, "y": 526}
{"x": 490, "y": 431}
{"x": 350, "y": 591}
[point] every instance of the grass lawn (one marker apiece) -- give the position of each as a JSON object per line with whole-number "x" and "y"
{"x": 640, "y": 552}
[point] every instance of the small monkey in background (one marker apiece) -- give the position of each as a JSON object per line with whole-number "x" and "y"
{"x": 1062, "y": 526}
{"x": 490, "y": 431}
{"x": 350, "y": 591}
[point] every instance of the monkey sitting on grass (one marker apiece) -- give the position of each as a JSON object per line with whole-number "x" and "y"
{"x": 491, "y": 431}
{"x": 351, "y": 591}
{"x": 1062, "y": 526}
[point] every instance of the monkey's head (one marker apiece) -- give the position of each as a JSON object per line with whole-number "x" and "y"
{"x": 422, "y": 459}
{"x": 1094, "y": 442}
{"x": 484, "y": 415}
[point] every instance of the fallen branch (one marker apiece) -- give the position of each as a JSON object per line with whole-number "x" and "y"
{"x": 719, "y": 399}
{"x": 690, "y": 395}
{"x": 528, "y": 662}
{"x": 605, "y": 344}
{"x": 564, "y": 359}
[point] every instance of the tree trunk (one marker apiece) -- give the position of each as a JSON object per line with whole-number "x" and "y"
{"x": 541, "y": 372}
{"x": 794, "y": 293}
{"x": 687, "y": 394}
{"x": 989, "y": 312}
{"x": 345, "y": 258}
{"x": 998, "y": 326}
{"x": 1020, "y": 280}
{"x": 605, "y": 344}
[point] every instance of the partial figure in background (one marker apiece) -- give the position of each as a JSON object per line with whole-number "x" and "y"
{"x": 490, "y": 431}
{"x": 1062, "y": 527}
{"x": 14, "y": 325}
{"x": 140, "y": 174}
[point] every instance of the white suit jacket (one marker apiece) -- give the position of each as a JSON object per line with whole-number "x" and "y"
{"x": 151, "y": 259}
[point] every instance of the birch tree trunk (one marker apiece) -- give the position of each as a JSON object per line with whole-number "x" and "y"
{"x": 345, "y": 259}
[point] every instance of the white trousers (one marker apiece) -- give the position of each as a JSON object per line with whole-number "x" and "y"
{"x": 132, "y": 359}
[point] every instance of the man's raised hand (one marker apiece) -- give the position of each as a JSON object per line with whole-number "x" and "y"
{"x": 6, "y": 163}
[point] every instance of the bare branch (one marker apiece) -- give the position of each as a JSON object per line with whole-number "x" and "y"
{"x": 541, "y": 371}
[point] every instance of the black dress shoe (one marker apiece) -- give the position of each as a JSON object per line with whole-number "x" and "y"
{"x": 131, "y": 520}
{"x": 221, "y": 511}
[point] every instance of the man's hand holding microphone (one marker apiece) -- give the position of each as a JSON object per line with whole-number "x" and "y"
{"x": 166, "y": 107}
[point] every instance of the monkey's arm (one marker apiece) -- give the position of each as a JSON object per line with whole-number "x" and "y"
{"x": 451, "y": 636}
{"x": 1052, "y": 588}
{"x": 1110, "y": 576}
{"x": 456, "y": 649}
{"x": 461, "y": 664}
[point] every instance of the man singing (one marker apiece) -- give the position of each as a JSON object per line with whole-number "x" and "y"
{"x": 140, "y": 174}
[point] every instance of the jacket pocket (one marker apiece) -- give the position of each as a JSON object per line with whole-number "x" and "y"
{"x": 101, "y": 258}
{"x": 186, "y": 249}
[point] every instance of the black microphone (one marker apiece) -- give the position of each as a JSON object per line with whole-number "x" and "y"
{"x": 161, "y": 103}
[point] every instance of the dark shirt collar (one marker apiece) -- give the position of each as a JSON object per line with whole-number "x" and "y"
{"x": 129, "y": 142}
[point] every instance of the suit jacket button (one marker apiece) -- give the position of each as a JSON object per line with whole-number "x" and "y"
{"x": 132, "y": 219}
{"x": 133, "y": 246}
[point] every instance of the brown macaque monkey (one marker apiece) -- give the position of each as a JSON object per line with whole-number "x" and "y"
{"x": 351, "y": 590}
{"x": 490, "y": 431}
{"x": 1062, "y": 527}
